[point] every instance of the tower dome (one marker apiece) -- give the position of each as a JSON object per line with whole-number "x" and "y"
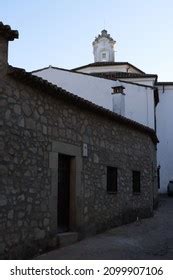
{"x": 103, "y": 47}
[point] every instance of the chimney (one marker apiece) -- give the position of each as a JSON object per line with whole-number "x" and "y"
{"x": 6, "y": 35}
{"x": 118, "y": 99}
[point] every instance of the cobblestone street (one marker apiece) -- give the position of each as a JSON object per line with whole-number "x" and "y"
{"x": 146, "y": 239}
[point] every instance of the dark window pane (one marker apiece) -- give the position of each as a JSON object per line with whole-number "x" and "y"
{"x": 136, "y": 181}
{"x": 111, "y": 179}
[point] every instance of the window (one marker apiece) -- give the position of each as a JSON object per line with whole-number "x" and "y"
{"x": 103, "y": 56}
{"x": 111, "y": 179}
{"x": 136, "y": 181}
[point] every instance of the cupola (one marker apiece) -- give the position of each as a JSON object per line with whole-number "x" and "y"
{"x": 103, "y": 47}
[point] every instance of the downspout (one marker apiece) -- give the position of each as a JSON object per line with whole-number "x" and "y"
{"x": 147, "y": 105}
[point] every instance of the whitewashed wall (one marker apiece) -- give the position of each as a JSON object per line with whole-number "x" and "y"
{"x": 139, "y": 100}
{"x": 103, "y": 45}
{"x": 164, "y": 115}
{"x": 139, "y": 104}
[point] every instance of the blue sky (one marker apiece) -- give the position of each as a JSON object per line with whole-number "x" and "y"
{"x": 60, "y": 32}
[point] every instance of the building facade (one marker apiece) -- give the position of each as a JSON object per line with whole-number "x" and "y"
{"x": 66, "y": 164}
{"x": 162, "y": 96}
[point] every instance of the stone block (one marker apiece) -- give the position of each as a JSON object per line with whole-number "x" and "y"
{"x": 17, "y": 109}
{"x": 11, "y": 214}
{"x": 27, "y": 110}
{"x": 39, "y": 234}
{"x": 3, "y": 200}
{"x": 30, "y": 124}
{"x": 67, "y": 238}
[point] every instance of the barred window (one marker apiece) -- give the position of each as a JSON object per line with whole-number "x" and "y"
{"x": 111, "y": 179}
{"x": 136, "y": 181}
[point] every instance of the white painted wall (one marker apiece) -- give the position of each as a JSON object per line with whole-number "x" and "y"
{"x": 139, "y": 104}
{"x": 139, "y": 100}
{"x": 94, "y": 89}
{"x": 164, "y": 115}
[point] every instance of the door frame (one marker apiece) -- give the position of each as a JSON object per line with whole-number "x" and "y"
{"x": 76, "y": 191}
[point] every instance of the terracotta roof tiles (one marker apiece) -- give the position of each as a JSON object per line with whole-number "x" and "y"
{"x": 117, "y": 75}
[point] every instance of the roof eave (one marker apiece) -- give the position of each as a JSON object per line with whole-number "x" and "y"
{"x": 107, "y": 64}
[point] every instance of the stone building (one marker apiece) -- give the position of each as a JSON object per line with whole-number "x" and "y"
{"x": 66, "y": 164}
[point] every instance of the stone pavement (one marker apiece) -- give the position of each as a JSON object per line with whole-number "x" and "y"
{"x": 146, "y": 239}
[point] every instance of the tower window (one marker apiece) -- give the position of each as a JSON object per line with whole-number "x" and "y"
{"x": 103, "y": 56}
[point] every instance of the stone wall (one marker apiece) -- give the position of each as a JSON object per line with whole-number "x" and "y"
{"x": 33, "y": 125}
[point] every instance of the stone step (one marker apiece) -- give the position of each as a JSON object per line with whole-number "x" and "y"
{"x": 66, "y": 238}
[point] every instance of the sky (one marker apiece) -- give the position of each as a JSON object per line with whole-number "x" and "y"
{"x": 60, "y": 32}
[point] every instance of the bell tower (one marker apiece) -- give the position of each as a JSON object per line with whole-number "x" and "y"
{"x": 103, "y": 47}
